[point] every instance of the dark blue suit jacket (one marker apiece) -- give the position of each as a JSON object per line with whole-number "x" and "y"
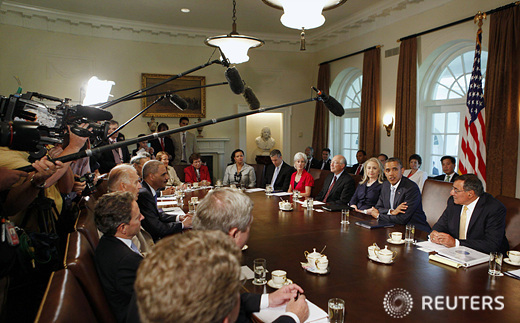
{"x": 408, "y": 192}
{"x": 156, "y": 223}
{"x": 487, "y": 227}
{"x": 250, "y": 303}
{"x": 365, "y": 196}
{"x": 283, "y": 180}
{"x": 342, "y": 190}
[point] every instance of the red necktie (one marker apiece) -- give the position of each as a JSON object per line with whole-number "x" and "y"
{"x": 162, "y": 144}
{"x": 330, "y": 189}
{"x": 358, "y": 170}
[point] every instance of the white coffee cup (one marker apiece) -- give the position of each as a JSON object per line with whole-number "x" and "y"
{"x": 279, "y": 277}
{"x": 194, "y": 199}
{"x": 396, "y": 236}
{"x": 514, "y": 256}
{"x": 322, "y": 263}
{"x": 372, "y": 251}
{"x": 195, "y": 184}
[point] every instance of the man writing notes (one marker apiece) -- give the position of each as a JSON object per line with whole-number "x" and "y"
{"x": 400, "y": 199}
{"x": 472, "y": 218}
{"x": 339, "y": 186}
{"x": 229, "y": 210}
{"x": 448, "y": 167}
{"x": 278, "y": 174}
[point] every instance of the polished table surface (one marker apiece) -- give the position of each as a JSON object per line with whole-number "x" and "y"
{"x": 282, "y": 237}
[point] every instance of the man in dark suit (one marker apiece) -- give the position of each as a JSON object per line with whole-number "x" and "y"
{"x": 358, "y": 169}
{"x": 448, "y": 167}
{"x": 116, "y": 257}
{"x": 400, "y": 199}
{"x": 472, "y": 218}
{"x": 229, "y": 211}
{"x": 278, "y": 173}
{"x": 339, "y": 186}
{"x": 325, "y": 159}
{"x": 163, "y": 144}
{"x": 157, "y": 223}
{"x": 311, "y": 161}
{"x": 109, "y": 159}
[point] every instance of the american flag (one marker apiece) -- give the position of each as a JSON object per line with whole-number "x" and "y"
{"x": 473, "y": 159}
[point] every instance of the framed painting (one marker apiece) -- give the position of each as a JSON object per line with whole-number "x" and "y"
{"x": 196, "y": 98}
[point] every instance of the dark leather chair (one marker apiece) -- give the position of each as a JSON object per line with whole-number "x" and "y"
{"x": 64, "y": 301}
{"x": 86, "y": 224}
{"x": 435, "y": 195}
{"x": 259, "y": 173}
{"x": 179, "y": 169}
{"x": 512, "y": 220}
{"x": 357, "y": 179}
{"x": 319, "y": 178}
{"x": 79, "y": 259}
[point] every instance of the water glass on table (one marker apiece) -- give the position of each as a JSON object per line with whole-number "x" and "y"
{"x": 260, "y": 271}
{"x": 495, "y": 264}
{"x": 336, "y": 310}
{"x": 345, "y": 215}
{"x": 268, "y": 189}
{"x": 410, "y": 232}
{"x": 310, "y": 204}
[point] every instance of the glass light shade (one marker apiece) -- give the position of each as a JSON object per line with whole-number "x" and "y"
{"x": 300, "y": 14}
{"x": 98, "y": 91}
{"x": 388, "y": 119}
{"x": 235, "y": 47}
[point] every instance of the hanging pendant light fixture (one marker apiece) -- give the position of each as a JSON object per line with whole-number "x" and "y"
{"x": 234, "y": 45}
{"x": 303, "y": 14}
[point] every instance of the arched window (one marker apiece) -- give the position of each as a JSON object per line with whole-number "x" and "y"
{"x": 344, "y": 131}
{"x": 444, "y": 89}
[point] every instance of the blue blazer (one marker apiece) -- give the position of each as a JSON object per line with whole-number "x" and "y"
{"x": 366, "y": 196}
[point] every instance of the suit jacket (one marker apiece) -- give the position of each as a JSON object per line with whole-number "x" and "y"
{"x": 191, "y": 146}
{"x": 106, "y": 159}
{"x": 314, "y": 163}
{"x": 487, "y": 226}
{"x": 441, "y": 177}
{"x": 327, "y": 164}
{"x": 156, "y": 223}
{"x": 116, "y": 265}
{"x": 282, "y": 180}
{"x": 354, "y": 167}
{"x": 408, "y": 192}
{"x": 342, "y": 190}
{"x": 250, "y": 303}
{"x": 190, "y": 174}
{"x": 168, "y": 146}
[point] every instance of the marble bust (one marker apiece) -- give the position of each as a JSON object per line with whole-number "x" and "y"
{"x": 265, "y": 142}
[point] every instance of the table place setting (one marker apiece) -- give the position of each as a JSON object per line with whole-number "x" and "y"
{"x": 279, "y": 279}
{"x": 383, "y": 256}
{"x": 514, "y": 258}
{"x": 317, "y": 262}
{"x": 395, "y": 238}
{"x": 285, "y": 205}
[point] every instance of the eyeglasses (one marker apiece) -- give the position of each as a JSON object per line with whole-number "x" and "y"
{"x": 456, "y": 190}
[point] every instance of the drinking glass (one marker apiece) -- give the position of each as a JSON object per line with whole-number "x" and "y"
{"x": 336, "y": 310}
{"x": 495, "y": 264}
{"x": 409, "y": 234}
{"x": 310, "y": 204}
{"x": 345, "y": 215}
{"x": 260, "y": 270}
{"x": 268, "y": 189}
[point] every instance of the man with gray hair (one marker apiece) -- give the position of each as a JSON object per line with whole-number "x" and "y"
{"x": 311, "y": 161}
{"x": 229, "y": 210}
{"x": 339, "y": 186}
{"x": 139, "y": 161}
{"x": 116, "y": 257}
{"x": 158, "y": 224}
{"x": 278, "y": 173}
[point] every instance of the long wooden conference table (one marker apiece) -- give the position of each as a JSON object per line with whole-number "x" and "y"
{"x": 282, "y": 237}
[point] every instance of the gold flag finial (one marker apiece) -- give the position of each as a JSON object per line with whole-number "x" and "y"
{"x": 479, "y": 17}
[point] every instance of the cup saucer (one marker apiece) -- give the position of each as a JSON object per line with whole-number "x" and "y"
{"x": 288, "y": 210}
{"x": 393, "y": 242}
{"x": 509, "y": 262}
{"x": 276, "y": 286}
{"x": 379, "y": 261}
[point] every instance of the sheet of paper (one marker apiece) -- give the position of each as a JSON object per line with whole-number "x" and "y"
{"x": 430, "y": 246}
{"x": 282, "y": 194}
{"x": 246, "y": 273}
{"x": 252, "y": 190}
{"x": 166, "y": 198}
{"x": 175, "y": 211}
{"x": 313, "y": 203}
{"x": 163, "y": 203}
{"x": 316, "y": 314}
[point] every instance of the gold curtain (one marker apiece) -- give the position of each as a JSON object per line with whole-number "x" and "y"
{"x": 503, "y": 102}
{"x": 320, "y": 133}
{"x": 370, "y": 125}
{"x": 406, "y": 100}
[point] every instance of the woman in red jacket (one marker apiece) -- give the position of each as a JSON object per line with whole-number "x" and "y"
{"x": 197, "y": 172}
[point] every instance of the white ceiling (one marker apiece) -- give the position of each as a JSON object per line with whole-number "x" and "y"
{"x": 213, "y": 17}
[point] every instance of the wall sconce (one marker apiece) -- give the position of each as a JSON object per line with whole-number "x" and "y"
{"x": 388, "y": 123}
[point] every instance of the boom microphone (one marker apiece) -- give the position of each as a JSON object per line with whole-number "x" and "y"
{"x": 235, "y": 81}
{"x": 332, "y": 104}
{"x": 178, "y": 102}
{"x": 91, "y": 113}
{"x": 251, "y": 99}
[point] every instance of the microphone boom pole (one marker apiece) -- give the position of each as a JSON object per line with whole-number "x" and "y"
{"x": 91, "y": 152}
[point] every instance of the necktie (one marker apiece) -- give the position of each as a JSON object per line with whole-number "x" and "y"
{"x": 447, "y": 178}
{"x": 392, "y": 197}
{"x": 155, "y": 197}
{"x": 359, "y": 168}
{"x": 323, "y": 164}
{"x": 308, "y": 166}
{"x": 462, "y": 227}
{"x": 162, "y": 144}
{"x": 197, "y": 171}
{"x": 134, "y": 248}
{"x": 330, "y": 189}
{"x": 183, "y": 157}
{"x": 275, "y": 175}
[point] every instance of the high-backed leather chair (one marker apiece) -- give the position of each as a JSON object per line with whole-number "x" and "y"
{"x": 319, "y": 178}
{"x": 259, "y": 173}
{"x": 512, "y": 220}
{"x": 179, "y": 169}
{"x": 79, "y": 259}
{"x": 435, "y": 194}
{"x": 64, "y": 301}
{"x": 86, "y": 224}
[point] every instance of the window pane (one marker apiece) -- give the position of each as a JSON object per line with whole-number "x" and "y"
{"x": 438, "y": 122}
{"x": 346, "y": 141}
{"x": 354, "y": 139}
{"x": 346, "y": 125}
{"x": 353, "y": 157}
{"x": 456, "y": 66}
{"x": 452, "y": 145}
{"x": 441, "y": 93}
{"x": 453, "y": 120}
{"x": 436, "y": 166}
{"x": 437, "y": 144}
{"x": 446, "y": 78}
{"x": 355, "y": 125}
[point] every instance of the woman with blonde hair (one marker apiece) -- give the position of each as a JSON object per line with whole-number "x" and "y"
{"x": 301, "y": 180}
{"x": 174, "y": 180}
{"x": 367, "y": 192}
